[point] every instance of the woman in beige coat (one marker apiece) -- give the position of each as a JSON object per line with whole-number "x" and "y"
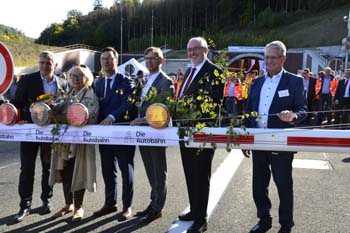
{"x": 74, "y": 164}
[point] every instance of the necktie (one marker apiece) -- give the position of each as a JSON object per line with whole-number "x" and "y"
{"x": 188, "y": 81}
{"x": 108, "y": 88}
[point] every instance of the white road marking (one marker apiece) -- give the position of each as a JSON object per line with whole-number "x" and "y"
{"x": 10, "y": 165}
{"x": 218, "y": 183}
{"x": 311, "y": 164}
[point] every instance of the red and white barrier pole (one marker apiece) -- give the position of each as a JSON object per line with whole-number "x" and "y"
{"x": 317, "y": 140}
{"x": 255, "y": 139}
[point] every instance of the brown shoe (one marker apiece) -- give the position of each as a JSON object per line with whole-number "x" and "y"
{"x": 104, "y": 210}
{"x": 65, "y": 210}
{"x": 127, "y": 213}
{"x": 78, "y": 214}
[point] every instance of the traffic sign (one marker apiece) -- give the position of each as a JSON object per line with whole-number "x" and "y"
{"x": 6, "y": 69}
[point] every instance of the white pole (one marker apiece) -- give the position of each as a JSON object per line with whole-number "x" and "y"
{"x": 346, "y": 46}
{"x": 121, "y": 34}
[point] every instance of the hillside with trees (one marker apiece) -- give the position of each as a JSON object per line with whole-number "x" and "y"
{"x": 172, "y": 22}
{"x": 9, "y": 33}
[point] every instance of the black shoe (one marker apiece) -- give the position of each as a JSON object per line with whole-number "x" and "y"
{"x": 22, "y": 214}
{"x": 151, "y": 216}
{"x": 186, "y": 217}
{"x": 143, "y": 212}
{"x": 126, "y": 214}
{"x": 285, "y": 229}
{"x": 261, "y": 227}
{"x": 104, "y": 210}
{"x": 198, "y": 227}
{"x": 46, "y": 208}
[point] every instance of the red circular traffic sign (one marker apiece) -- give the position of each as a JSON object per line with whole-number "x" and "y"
{"x": 6, "y": 69}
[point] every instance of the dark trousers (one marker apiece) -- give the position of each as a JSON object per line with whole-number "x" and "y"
{"x": 197, "y": 169}
{"x": 343, "y": 117}
{"x": 111, "y": 157}
{"x": 29, "y": 151}
{"x": 324, "y": 104}
{"x": 154, "y": 159}
{"x": 280, "y": 165}
{"x": 67, "y": 175}
{"x": 231, "y": 106}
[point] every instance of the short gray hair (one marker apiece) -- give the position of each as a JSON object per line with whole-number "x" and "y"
{"x": 48, "y": 54}
{"x": 203, "y": 43}
{"x": 278, "y": 45}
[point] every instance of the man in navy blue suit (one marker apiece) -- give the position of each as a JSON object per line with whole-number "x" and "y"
{"x": 112, "y": 92}
{"x": 279, "y": 99}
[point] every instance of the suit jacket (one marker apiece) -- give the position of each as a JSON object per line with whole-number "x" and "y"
{"x": 340, "y": 92}
{"x": 200, "y": 82}
{"x": 295, "y": 101}
{"x": 31, "y": 86}
{"x": 204, "y": 80}
{"x": 164, "y": 86}
{"x": 116, "y": 103}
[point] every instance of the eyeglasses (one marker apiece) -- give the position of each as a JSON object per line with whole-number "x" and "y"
{"x": 108, "y": 59}
{"x": 272, "y": 58}
{"x": 75, "y": 76}
{"x": 151, "y": 58}
{"x": 194, "y": 49}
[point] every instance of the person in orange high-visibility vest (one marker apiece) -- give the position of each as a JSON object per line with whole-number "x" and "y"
{"x": 232, "y": 93}
{"x": 325, "y": 95}
{"x": 333, "y": 86}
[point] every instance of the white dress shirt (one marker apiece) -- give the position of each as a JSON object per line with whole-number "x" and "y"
{"x": 267, "y": 93}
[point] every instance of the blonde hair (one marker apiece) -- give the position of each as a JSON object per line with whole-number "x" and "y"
{"x": 86, "y": 74}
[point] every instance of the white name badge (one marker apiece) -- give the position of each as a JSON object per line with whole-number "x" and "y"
{"x": 283, "y": 93}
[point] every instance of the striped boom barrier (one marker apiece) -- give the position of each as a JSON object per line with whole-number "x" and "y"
{"x": 256, "y": 139}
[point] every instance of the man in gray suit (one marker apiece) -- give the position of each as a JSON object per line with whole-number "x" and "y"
{"x": 154, "y": 158}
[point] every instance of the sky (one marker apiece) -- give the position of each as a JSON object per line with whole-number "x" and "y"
{"x": 33, "y": 16}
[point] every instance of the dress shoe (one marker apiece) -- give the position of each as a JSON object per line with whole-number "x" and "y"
{"x": 127, "y": 213}
{"x": 65, "y": 210}
{"x": 186, "y": 217}
{"x": 285, "y": 229}
{"x": 21, "y": 214}
{"x": 78, "y": 214}
{"x": 151, "y": 216}
{"x": 198, "y": 227}
{"x": 143, "y": 212}
{"x": 261, "y": 227}
{"x": 105, "y": 210}
{"x": 46, "y": 208}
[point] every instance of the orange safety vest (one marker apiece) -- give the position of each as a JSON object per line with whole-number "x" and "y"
{"x": 333, "y": 86}
{"x": 318, "y": 86}
{"x": 237, "y": 89}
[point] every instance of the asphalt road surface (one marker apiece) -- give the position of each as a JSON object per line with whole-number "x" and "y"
{"x": 321, "y": 196}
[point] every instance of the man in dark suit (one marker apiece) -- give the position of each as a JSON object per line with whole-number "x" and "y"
{"x": 112, "y": 92}
{"x": 309, "y": 87}
{"x": 342, "y": 101}
{"x": 28, "y": 89}
{"x": 196, "y": 162}
{"x": 154, "y": 158}
{"x": 278, "y": 98}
